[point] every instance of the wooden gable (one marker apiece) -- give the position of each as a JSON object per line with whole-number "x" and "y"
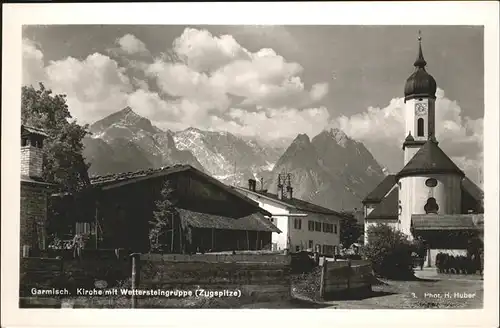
{"x": 199, "y": 193}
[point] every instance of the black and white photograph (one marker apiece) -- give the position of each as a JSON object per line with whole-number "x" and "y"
{"x": 247, "y": 166}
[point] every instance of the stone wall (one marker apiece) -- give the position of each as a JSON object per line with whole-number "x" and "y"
{"x": 31, "y": 161}
{"x": 33, "y": 215}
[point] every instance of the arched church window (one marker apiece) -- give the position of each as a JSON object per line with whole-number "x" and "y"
{"x": 431, "y": 206}
{"x": 420, "y": 127}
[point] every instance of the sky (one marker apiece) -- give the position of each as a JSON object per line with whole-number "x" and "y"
{"x": 269, "y": 82}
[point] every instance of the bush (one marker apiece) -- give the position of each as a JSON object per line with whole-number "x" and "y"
{"x": 446, "y": 263}
{"x": 389, "y": 252}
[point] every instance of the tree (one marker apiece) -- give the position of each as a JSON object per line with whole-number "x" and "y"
{"x": 350, "y": 231}
{"x": 163, "y": 217}
{"x": 63, "y": 162}
{"x": 389, "y": 251}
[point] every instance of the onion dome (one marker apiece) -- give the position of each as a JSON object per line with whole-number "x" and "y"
{"x": 420, "y": 83}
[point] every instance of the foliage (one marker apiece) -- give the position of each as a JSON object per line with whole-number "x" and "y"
{"x": 63, "y": 162}
{"x": 350, "y": 231}
{"x": 389, "y": 251}
{"x": 446, "y": 263}
{"x": 163, "y": 216}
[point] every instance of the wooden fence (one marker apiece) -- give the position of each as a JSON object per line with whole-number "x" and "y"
{"x": 40, "y": 278}
{"x": 234, "y": 279}
{"x": 214, "y": 280}
{"x": 345, "y": 278}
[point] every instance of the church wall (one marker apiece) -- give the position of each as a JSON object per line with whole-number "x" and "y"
{"x": 369, "y": 208}
{"x": 411, "y": 118}
{"x": 414, "y": 194}
{"x": 409, "y": 153}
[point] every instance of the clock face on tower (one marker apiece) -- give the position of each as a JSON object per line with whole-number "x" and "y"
{"x": 421, "y": 109}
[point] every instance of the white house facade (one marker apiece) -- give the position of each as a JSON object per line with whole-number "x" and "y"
{"x": 304, "y": 226}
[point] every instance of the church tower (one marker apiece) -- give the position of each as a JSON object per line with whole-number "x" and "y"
{"x": 420, "y": 97}
{"x": 429, "y": 183}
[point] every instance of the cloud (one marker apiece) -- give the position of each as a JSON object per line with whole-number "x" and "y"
{"x": 94, "y": 86}
{"x": 205, "y": 81}
{"x": 132, "y": 45}
{"x": 203, "y": 52}
{"x": 32, "y": 63}
{"x": 217, "y": 68}
{"x": 382, "y": 131}
{"x": 274, "y": 124}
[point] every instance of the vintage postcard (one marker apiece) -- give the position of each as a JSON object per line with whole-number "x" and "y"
{"x": 173, "y": 162}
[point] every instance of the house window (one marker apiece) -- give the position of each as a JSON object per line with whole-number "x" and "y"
{"x": 327, "y": 227}
{"x": 311, "y": 243}
{"x": 297, "y": 248}
{"x": 297, "y": 224}
{"x": 82, "y": 228}
{"x": 317, "y": 226}
{"x": 335, "y": 228}
{"x": 324, "y": 249}
{"x": 310, "y": 225}
{"x": 272, "y": 220}
{"x": 420, "y": 127}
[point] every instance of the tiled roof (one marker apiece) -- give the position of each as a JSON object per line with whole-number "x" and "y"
{"x": 447, "y": 221}
{"x": 33, "y": 180}
{"x": 388, "y": 207}
{"x": 429, "y": 159}
{"x": 381, "y": 189}
{"x": 252, "y": 222}
{"x": 119, "y": 179}
{"x": 472, "y": 189}
{"x": 29, "y": 129}
{"x": 296, "y": 203}
{"x": 109, "y": 179}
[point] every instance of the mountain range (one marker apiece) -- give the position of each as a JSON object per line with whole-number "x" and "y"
{"x": 331, "y": 170}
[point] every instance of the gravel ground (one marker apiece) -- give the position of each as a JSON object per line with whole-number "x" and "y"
{"x": 427, "y": 290}
{"x": 421, "y": 294}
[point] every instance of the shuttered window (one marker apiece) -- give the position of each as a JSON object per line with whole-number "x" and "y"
{"x": 83, "y": 228}
{"x": 310, "y": 225}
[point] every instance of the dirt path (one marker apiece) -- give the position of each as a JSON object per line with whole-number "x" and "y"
{"x": 437, "y": 291}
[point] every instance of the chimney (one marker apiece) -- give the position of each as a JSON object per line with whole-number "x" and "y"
{"x": 280, "y": 188}
{"x": 289, "y": 192}
{"x": 261, "y": 184}
{"x": 252, "y": 184}
{"x": 31, "y": 151}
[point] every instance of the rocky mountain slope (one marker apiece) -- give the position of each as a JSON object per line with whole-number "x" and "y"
{"x": 227, "y": 157}
{"x": 125, "y": 141}
{"x": 330, "y": 170}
